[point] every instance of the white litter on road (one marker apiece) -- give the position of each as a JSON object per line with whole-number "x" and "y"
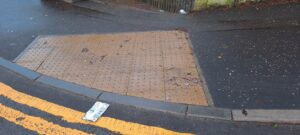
{"x": 96, "y": 111}
{"x": 181, "y": 11}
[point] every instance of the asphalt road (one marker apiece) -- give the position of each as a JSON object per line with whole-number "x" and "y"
{"x": 249, "y": 57}
{"x": 252, "y": 68}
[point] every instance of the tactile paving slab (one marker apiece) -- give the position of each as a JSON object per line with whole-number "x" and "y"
{"x": 156, "y": 65}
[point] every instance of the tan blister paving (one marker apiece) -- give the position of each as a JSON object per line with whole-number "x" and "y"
{"x": 33, "y": 58}
{"x": 156, "y": 65}
{"x": 148, "y": 84}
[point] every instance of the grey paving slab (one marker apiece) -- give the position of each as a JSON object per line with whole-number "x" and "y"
{"x": 209, "y": 112}
{"x": 19, "y": 69}
{"x": 143, "y": 103}
{"x": 71, "y": 1}
{"x": 89, "y": 92}
{"x": 280, "y": 116}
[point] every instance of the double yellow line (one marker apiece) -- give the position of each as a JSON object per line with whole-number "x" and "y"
{"x": 42, "y": 126}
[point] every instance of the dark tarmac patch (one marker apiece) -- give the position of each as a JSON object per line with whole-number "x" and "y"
{"x": 9, "y": 128}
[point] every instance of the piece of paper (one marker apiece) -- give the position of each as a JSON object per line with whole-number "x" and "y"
{"x": 96, "y": 111}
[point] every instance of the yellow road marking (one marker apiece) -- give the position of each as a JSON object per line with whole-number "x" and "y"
{"x": 74, "y": 116}
{"x": 35, "y": 123}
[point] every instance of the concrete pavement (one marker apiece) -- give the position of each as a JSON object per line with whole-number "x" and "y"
{"x": 248, "y": 56}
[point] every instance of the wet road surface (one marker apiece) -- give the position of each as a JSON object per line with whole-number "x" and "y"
{"x": 252, "y": 68}
{"x": 249, "y": 57}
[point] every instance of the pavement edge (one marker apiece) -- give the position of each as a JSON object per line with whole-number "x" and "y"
{"x": 78, "y": 89}
{"x": 268, "y": 115}
{"x": 19, "y": 69}
{"x": 181, "y": 109}
{"x": 251, "y": 115}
